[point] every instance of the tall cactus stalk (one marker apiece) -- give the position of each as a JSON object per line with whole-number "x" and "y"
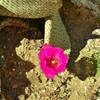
{"x": 55, "y": 32}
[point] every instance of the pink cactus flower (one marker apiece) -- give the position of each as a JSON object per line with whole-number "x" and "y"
{"x": 52, "y": 60}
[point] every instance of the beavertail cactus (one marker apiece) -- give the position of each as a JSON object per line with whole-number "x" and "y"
{"x": 55, "y": 32}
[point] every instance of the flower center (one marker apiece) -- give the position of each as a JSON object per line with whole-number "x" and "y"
{"x": 52, "y": 62}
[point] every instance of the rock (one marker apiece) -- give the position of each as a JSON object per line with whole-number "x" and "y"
{"x": 88, "y": 62}
{"x": 97, "y": 57}
{"x": 92, "y": 47}
{"x": 32, "y": 97}
{"x": 96, "y": 32}
{"x": 28, "y": 50}
{"x": 92, "y": 5}
{"x": 61, "y": 88}
{"x": 41, "y": 86}
{"x": 21, "y": 97}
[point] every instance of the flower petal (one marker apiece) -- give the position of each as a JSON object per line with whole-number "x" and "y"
{"x": 48, "y": 51}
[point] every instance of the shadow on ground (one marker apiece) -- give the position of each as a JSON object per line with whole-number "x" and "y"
{"x": 12, "y": 68}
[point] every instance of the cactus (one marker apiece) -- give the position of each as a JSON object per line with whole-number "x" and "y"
{"x": 55, "y": 32}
